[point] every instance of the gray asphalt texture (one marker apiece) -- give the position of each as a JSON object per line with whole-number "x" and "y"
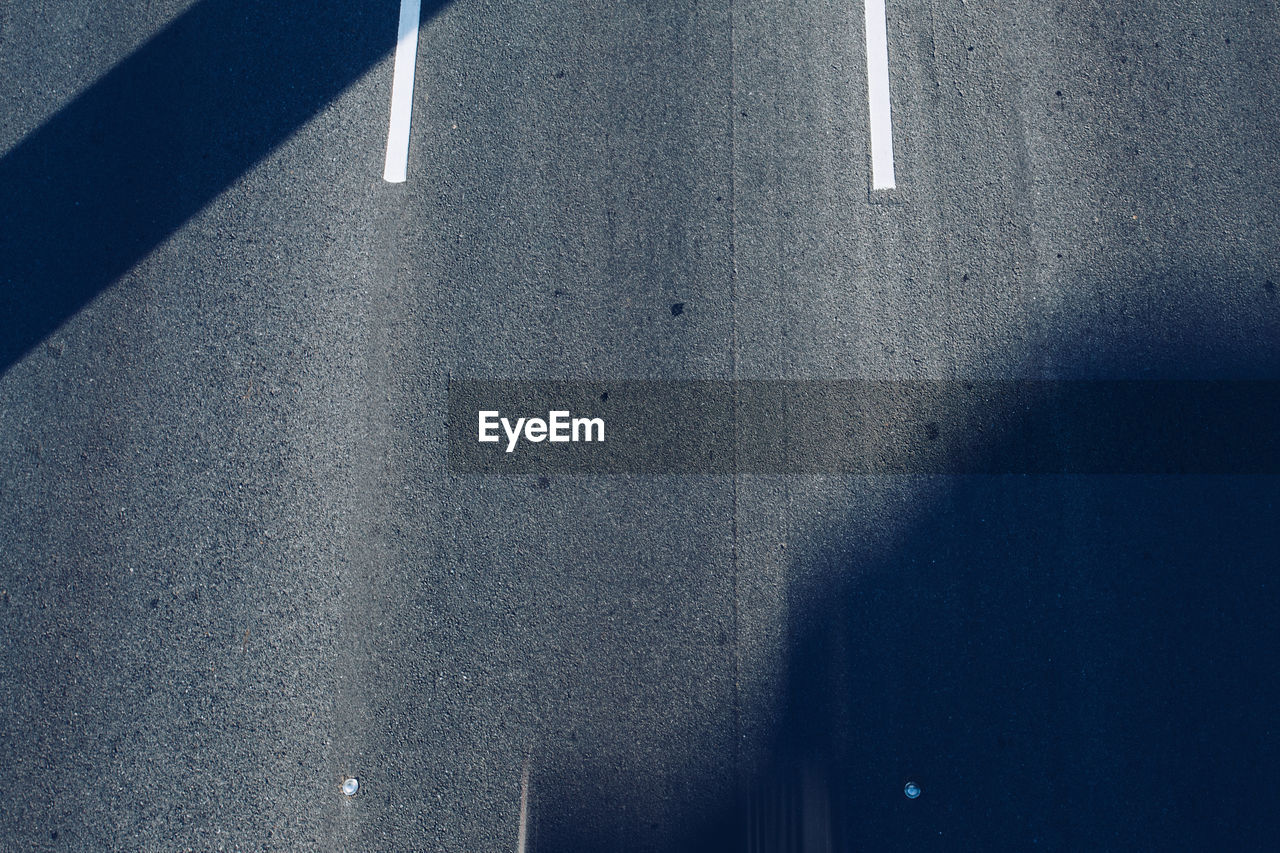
{"x": 235, "y": 568}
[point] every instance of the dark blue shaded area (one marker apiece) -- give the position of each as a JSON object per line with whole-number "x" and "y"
{"x": 1061, "y": 661}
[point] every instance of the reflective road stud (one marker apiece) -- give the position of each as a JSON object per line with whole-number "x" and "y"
{"x": 912, "y": 790}
{"x": 350, "y": 786}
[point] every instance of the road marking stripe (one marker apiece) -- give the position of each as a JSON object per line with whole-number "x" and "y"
{"x": 878, "y": 96}
{"x": 522, "y": 838}
{"x": 397, "y": 164}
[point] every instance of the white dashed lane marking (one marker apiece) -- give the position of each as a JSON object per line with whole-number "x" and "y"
{"x": 878, "y": 96}
{"x": 397, "y": 163}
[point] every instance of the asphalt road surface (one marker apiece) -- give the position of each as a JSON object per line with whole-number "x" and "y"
{"x": 237, "y": 569}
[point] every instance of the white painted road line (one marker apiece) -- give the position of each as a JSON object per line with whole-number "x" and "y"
{"x": 522, "y": 836}
{"x": 878, "y": 95}
{"x": 396, "y": 168}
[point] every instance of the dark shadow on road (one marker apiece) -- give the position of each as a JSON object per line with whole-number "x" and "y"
{"x": 122, "y": 167}
{"x": 1063, "y": 662}
{"x": 1060, "y": 661}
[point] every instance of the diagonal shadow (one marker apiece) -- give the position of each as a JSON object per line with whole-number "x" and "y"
{"x": 122, "y": 167}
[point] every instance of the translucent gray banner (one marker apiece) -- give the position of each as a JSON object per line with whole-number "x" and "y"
{"x": 864, "y": 427}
